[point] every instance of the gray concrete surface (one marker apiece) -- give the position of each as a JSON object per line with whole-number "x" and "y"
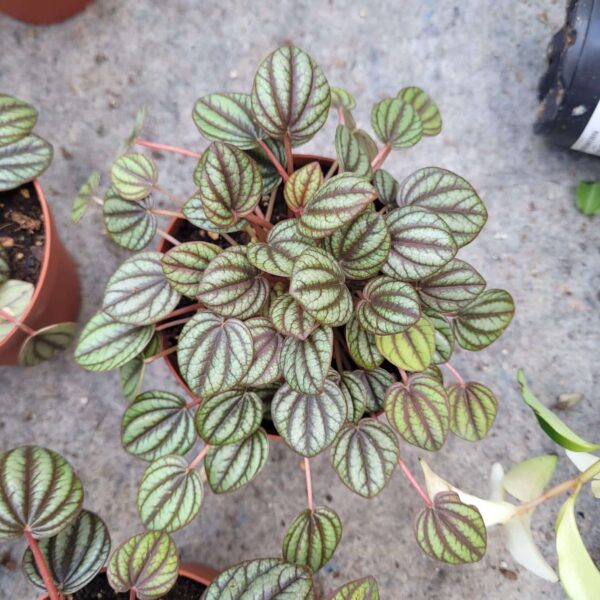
{"x": 480, "y": 59}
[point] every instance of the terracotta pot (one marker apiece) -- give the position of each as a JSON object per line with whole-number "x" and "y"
{"x": 42, "y": 12}
{"x": 56, "y": 298}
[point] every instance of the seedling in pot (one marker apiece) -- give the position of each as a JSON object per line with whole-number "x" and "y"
{"x": 318, "y": 296}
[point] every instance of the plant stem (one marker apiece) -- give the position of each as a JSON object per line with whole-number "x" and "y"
{"x": 341, "y": 116}
{"x": 4, "y": 314}
{"x": 168, "y": 237}
{"x": 169, "y": 195}
{"x": 161, "y": 353}
{"x": 98, "y": 200}
{"x": 334, "y": 165}
{"x": 227, "y": 237}
{"x": 174, "y": 323}
{"x": 193, "y": 403}
{"x": 455, "y": 373}
{"x": 200, "y": 457}
{"x": 184, "y": 310}
{"x": 309, "y": 491}
{"x": 40, "y": 561}
{"x": 411, "y": 478}
{"x": 287, "y": 144}
{"x": 273, "y": 159}
{"x": 166, "y": 148}
{"x": 132, "y": 594}
{"x": 256, "y": 219}
{"x": 166, "y": 213}
{"x": 380, "y": 157}
{"x": 404, "y": 376}
{"x": 271, "y": 205}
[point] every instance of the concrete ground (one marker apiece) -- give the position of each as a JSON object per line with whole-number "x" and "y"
{"x": 481, "y": 61}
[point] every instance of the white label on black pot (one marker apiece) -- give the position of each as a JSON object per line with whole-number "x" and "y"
{"x": 589, "y": 140}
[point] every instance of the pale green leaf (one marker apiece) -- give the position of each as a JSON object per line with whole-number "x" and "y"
{"x": 351, "y": 156}
{"x": 528, "y": 479}
{"x": 84, "y": 197}
{"x": 134, "y": 176}
{"x": 411, "y": 349}
{"x": 47, "y": 343}
{"x": 17, "y": 119}
{"x": 587, "y": 197}
{"x": 473, "y": 409}
{"x": 396, "y": 123}
{"x": 362, "y": 346}
{"x": 427, "y": 110}
{"x": 302, "y": 185}
{"x": 23, "y": 160}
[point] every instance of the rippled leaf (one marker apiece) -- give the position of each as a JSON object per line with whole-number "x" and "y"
{"x": 138, "y": 125}
{"x": 473, "y": 408}
{"x": 194, "y": 212}
{"x": 387, "y": 187}
{"x": 355, "y": 393}
{"x": 23, "y": 161}
{"x": 46, "y": 344}
{"x": 17, "y": 119}
{"x": 365, "y": 140}
{"x": 425, "y": 107}
{"x": 362, "y": 346}
{"x": 84, "y": 197}
{"x": 289, "y": 318}
{"x": 134, "y": 176}
{"x": 396, "y": 123}
{"x": 351, "y": 156}
{"x": 267, "y": 352}
{"x": 302, "y": 185}
{"x": 376, "y": 381}
{"x": 444, "y": 337}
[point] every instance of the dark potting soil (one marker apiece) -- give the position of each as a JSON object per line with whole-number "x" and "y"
{"x": 99, "y": 589}
{"x": 22, "y": 232}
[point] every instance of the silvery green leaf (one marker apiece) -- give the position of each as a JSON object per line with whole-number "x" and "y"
{"x": 302, "y": 185}
{"x": 351, "y": 156}
{"x": 341, "y": 98}
{"x": 387, "y": 187}
{"x": 289, "y": 318}
{"x": 444, "y": 337}
{"x": 425, "y": 107}
{"x": 23, "y": 160}
{"x": 362, "y": 346}
{"x": 376, "y": 381}
{"x": 46, "y": 343}
{"x": 17, "y": 119}
{"x": 396, "y": 123}
{"x": 355, "y": 393}
{"x": 473, "y": 408}
{"x": 267, "y": 345}
{"x": 84, "y": 197}
{"x": 134, "y": 176}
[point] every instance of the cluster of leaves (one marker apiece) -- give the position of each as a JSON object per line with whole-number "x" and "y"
{"x": 23, "y": 157}
{"x": 312, "y": 297}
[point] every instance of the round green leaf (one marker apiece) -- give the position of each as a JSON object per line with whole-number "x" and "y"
{"x": 131, "y": 375}
{"x": 134, "y": 176}
{"x": 388, "y": 306}
{"x": 449, "y": 196}
{"x": 289, "y": 318}
{"x": 74, "y": 556}
{"x": 376, "y": 381}
{"x": 157, "y": 423}
{"x": 473, "y": 408}
{"x": 351, "y": 156}
{"x": 317, "y": 283}
{"x": 270, "y": 175}
{"x": 341, "y": 98}
{"x": 361, "y": 247}
{"x": 170, "y": 494}
{"x": 444, "y": 337}
{"x": 4, "y": 266}
{"x": 302, "y": 185}
{"x": 355, "y": 394}
{"x": 362, "y": 346}
{"x": 17, "y": 119}
{"x": 227, "y": 118}
{"x": 267, "y": 352}
{"x": 23, "y": 161}
{"x": 39, "y": 493}
{"x": 361, "y": 589}
{"x": 309, "y": 423}
{"x": 84, "y": 197}
{"x": 138, "y": 292}
{"x": 214, "y": 353}
{"x": 232, "y": 286}
{"x": 147, "y": 562}
{"x": 265, "y": 578}
{"x": 419, "y": 411}
{"x": 290, "y": 95}
{"x": 427, "y": 110}
{"x": 229, "y": 417}
{"x": 421, "y": 244}
{"x": 15, "y": 296}
{"x": 411, "y": 349}
{"x": 46, "y": 344}
{"x": 106, "y": 344}
{"x": 396, "y": 123}
{"x": 451, "y": 531}
{"x": 304, "y": 363}
{"x": 387, "y": 187}
{"x": 312, "y": 538}
{"x": 185, "y": 264}
{"x": 338, "y": 202}
{"x": 230, "y": 467}
{"x": 364, "y": 455}
{"x": 484, "y": 320}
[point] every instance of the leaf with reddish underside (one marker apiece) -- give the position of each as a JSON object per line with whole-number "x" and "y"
{"x": 309, "y": 423}
{"x": 351, "y": 155}
{"x": 214, "y": 353}
{"x": 443, "y": 335}
{"x": 361, "y": 589}
{"x": 364, "y": 455}
{"x": 289, "y": 318}
{"x": 302, "y": 185}
{"x": 23, "y": 161}
{"x": 362, "y": 346}
{"x": 426, "y": 108}
{"x": 361, "y": 247}
{"x": 267, "y": 345}
{"x": 355, "y": 393}
{"x": 338, "y": 202}
{"x": 376, "y": 381}
{"x": 84, "y": 197}
{"x": 15, "y": 297}
{"x": 290, "y": 95}
{"x": 270, "y": 175}
{"x": 420, "y": 412}
{"x": 134, "y": 176}
{"x": 451, "y": 531}
{"x": 17, "y": 119}
{"x": 450, "y": 197}
{"x": 396, "y": 123}
{"x": 46, "y": 344}
{"x": 387, "y": 187}
{"x": 473, "y": 408}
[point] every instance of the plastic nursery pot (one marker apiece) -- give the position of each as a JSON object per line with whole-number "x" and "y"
{"x": 56, "y": 298}
{"x": 569, "y": 91}
{"x": 42, "y": 12}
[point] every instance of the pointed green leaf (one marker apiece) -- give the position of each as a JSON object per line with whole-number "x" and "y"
{"x": 74, "y": 556}
{"x": 351, "y": 156}
{"x": 473, "y": 408}
{"x": 376, "y": 381}
{"x": 289, "y": 318}
{"x": 528, "y": 479}
{"x": 449, "y": 196}
{"x": 484, "y": 320}
{"x": 338, "y": 202}
{"x": 355, "y": 394}
{"x": 185, "y": 264}
{"x": 587, "y": 197}
{"x": 290, "y": 95}
{"x": 46, "y": 344}
{"x": 157, "y": 423}
{"x": 317, "y": 283}
{"x": 361, "y": 247}
{"x": 411, "y": 349}
{"x": 4, "y": 266}
{"x": 138, "y": 125}
{"x": 134, "y": 176}
{"x": 341, "y": 98}
{"x": 39, "y": 493}
{"x": 419, "y": 411}
{"x": 227, "y": 118}
{"x": 302, "y": 185}
{"x": 451, "y": 531}
{"x": 230, "y": 467}
{"x": 425, "y": 107}
{"x": 267, "y": 352}
{"x": 270, "y": 175}
{"x": 387, "y": 187}
{"x": 361, "y": 589}
{"x": 362, "y": 346}
{"x": 131, "y": 375}
{"x": 106, "y": 344}
{"x": 194, "y": 212}
{"x": 147, "y": 562}
{"x": 309, "y": 423}
{"x": 84, "y": 197}
{"x": 312, "y": 538}
{"x": 396, "y": 123}
{"x": 265, "y": 578}
{"x": 444, "y": 337}
{"x": 364, "y": 456}
{"x": 17, "y": 119}
{"x": 23, "y": 161}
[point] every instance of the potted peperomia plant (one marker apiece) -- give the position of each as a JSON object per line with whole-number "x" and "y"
{"x": 39, "y": 286}
{"x": 297, "y": 295}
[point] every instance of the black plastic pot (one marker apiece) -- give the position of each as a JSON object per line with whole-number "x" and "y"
{"x": 569, "y": 91}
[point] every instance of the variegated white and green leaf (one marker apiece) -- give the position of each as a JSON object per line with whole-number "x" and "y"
{"x": 355, "y": 394}
{"x": 134, "y": 176}
{"x": 387, "y": 187}
{"x": 362, "y": 346}
{"x": 23, "y": 161}
{"x": 267, "y": 345}
{"x": 376, "y": 381}
{"x": 289, "y": 318}
{"x": 396, "y": 123}
{"x": 351, "y": 155}
{"x": 302, "y": 185}
{"x": 194, "y": 212}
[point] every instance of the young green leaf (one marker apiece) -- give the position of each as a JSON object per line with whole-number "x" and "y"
{"x": 444, "y": 337}
{"x": 473, "y": 408}
{"x": 396, "y": 123}
{"x": 267, "y": 353}
{"x": 427, "y": 110}
{"x": 157, "y": 423}
{"x": 451, "y": 531}
{"x": 15, "y": 297}
{"x": 302, "y": 185}
{"x": 134, "y": 176}
{"x": 351, "y": 156}
{"x": 138, "y": 125}
{"x": 355, "y": 393}
{"x": 364, "y": 455}
{"x": 131, "y": 375}
{"x": 364, "y": 139}
{"x": 312, "y": 538}
{"x": 289, "y": 318}
{"x": 361, "y": 589}
{"x": 39, "y": 493}
{"x": 23, "y": 161}
{"x": 46, "y": 344}
{"x": 362, "y": 346}
{"x": 528, "y": 479}
{"x": 583, "y": 461}
{"x": 290, "y": 95}
{"x": 387, "y": 187}
{"x": 147, "y": 562}
{"x": 341, "y": 98}
{"x": 17, "y": 119}
{"x": 587, "y": 197}
{"x": 376, "y": 381}
{"x": 84, "y": 197}
{"x": 4, "y": 266}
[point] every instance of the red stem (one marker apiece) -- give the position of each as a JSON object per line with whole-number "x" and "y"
{"x": 273, "y": 159}
{"x": 404, "y": 376}
{"x": 168, "y": 324}
{"x": 341, "y": 115}
{"x": 411, "y": 478}
{"x": 132, "y": 594}
{"x": 40, "y": 561}
{"x": 380, "y": 157}
{"x": 200, "y": 457}
{"x": 454, "y": 372}
{"x": 309, "y": 492}
{"x": 287, "y": 144}
{"x": 4, "y": 314}
{"x": 184, "y": 310}
{"x": 161, "y": 353}
{"x": 167, "y": 148}
{"x": 258, "y": 220}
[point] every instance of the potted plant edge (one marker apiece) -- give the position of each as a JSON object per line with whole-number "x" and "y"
{"x": 311, "y": 297}
{"x": 39, "y": 286}
{"x": 42, "y": 13}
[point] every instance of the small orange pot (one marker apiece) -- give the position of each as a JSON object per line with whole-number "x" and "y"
{"x": 56, "y": 298}
{"x": 42, "y": 12}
